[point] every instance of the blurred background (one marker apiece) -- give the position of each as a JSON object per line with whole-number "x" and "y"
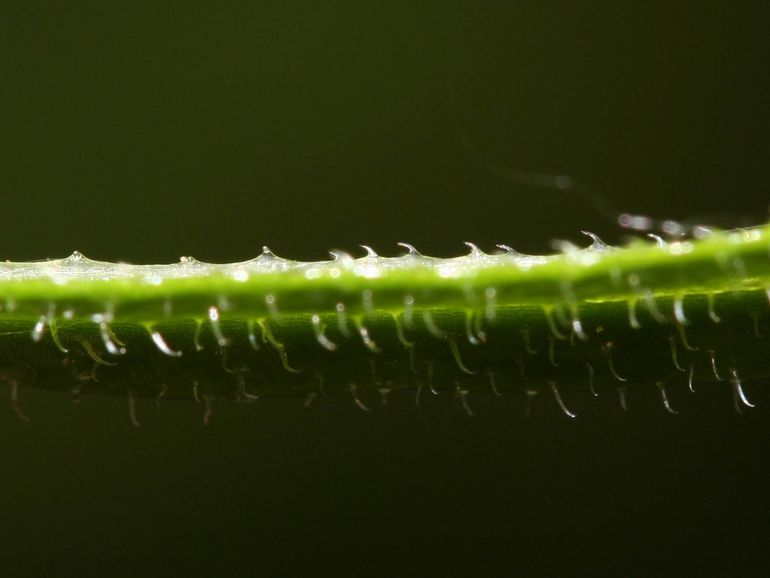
{"x": 143, "y": 132}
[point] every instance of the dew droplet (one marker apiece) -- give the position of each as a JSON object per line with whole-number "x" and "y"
{"x": 75, "y": 258}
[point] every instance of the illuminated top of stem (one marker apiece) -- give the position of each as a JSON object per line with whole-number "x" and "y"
{"x": 269, "y": 285}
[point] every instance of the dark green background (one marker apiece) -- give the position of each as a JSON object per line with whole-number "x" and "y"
{"x": 145, "y": 132}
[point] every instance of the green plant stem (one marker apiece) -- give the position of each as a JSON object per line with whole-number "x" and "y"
{"x": 598, "y": 318}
